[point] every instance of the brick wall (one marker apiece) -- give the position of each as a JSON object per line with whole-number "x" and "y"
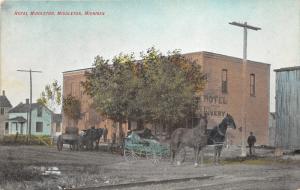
{"x": 215, "y": 103}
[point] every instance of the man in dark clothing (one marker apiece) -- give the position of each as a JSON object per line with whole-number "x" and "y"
{"x": 251, "y": 141}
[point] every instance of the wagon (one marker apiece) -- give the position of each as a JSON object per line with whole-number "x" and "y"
{"x": 71, "y": 139}
{"x": 135, "y": 148}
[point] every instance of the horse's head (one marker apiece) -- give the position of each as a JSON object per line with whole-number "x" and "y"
{"x": 229, "y": 121}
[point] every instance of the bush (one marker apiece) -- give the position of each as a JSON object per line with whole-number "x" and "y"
{"x": 22, "y": 140}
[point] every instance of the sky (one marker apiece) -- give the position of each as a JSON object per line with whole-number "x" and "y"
{"x": 54, "y": 44}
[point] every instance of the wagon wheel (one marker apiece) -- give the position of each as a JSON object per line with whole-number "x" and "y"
{"x": 154, "y": 156}
{"x": 180, "y": 155}
{"x": 130, "y": 155}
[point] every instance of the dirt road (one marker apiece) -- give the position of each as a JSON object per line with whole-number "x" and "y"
{"x": 46, "y": 168}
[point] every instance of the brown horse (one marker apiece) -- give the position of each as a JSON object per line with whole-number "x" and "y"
{"x": 195, "y": 138}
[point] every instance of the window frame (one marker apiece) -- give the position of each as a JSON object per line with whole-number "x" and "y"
{"x": 2, "y": 111}
{"x": 224, "y": 81}
{"x": 252, "y": 85}
{"x": 36, "y": 127}
{"x": 39, "y": 111}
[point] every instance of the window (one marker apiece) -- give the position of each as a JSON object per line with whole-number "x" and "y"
{"x": 81, "y": 89}
{"x": 252, "y": 85}
{"x": 6, "y": 128}
{"x": 129, "y": 125}
{"x": 2, "y": 111}
{"x": 224, "y": 81}
{"x": 39, "y": 127}
{"x": 40, "y": 111}
{"x": 57, "y": 127}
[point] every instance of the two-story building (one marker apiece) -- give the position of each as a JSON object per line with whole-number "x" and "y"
{"x": 223, "y": 93}
{"x": 5, "y": 106}
{"x": 41, "y": 119}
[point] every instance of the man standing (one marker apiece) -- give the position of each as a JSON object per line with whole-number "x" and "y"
{"x": 251, "y": 141}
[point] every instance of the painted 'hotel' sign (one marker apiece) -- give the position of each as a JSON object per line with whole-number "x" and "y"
{"x": 212, "y": 105}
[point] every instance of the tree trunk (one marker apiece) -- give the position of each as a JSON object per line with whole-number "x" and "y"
{"x": 121, "y": 134}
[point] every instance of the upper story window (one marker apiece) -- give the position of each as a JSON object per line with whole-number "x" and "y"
{"x": 2, "y": 111}
{"x": 224, "y": 84}
{"x": 252, "y": 84}
{"x": 40, "y": 111}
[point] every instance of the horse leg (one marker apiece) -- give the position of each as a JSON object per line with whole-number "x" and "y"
{"x": 172, "y": 153}
{"x": 201, "y": 156}
{"x": 219, "y": 154}
{"x": 180, "y": 146}
{"x": 172, "y": 156}
{"x": 196, "y": 152}
{"x": 215, "y": 154}
{"x": 97, "y": 144}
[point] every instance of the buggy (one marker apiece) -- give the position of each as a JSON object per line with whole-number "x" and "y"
{"x": 135, "y": 147}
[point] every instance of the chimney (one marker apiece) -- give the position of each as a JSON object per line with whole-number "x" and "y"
{"x": 3, "y": 92}
{"x": 27, "y": 101}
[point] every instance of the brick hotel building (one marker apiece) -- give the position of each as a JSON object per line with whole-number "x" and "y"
{"x": 223, "y": 94}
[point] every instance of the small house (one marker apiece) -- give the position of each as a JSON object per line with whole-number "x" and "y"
{"x": 41, "y": 119}
{"x": 5, "y": 106}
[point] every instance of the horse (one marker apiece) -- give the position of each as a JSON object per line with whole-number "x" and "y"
{"x": 216, "y": 136}
{"x": 195, "y": 138}
{"x": 90, "y": 136}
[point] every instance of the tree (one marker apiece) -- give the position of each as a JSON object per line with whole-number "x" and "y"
{"x": 156, "y": 89}
{"x": 72, "y": 107}
{"x": 170, "y": 84}
{"x": 51, "y": 96}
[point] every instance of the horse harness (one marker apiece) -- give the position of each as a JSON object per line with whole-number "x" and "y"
{"x": 220, "y": 133}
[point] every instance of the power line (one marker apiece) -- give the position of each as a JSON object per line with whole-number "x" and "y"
{"x": 30, "y": 102}
{"x": 245, "y": 26}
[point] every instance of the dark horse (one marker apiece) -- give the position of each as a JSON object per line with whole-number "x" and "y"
{"x": 216, "y": 136}
{"x": 91, "y": 136}
{"x": 195, "y": 138}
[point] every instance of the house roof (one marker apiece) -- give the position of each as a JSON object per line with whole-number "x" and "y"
{"x": 21, "y": 108}
{"x": 56, "y": 117}
{"x": 4, "y": 102}
{"x": 18, "y": 119}
{"x": 287, "y": 69}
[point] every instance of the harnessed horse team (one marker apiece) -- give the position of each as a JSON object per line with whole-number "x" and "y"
{"x": 199, "y": 137}
{"x": 196, "y": 138}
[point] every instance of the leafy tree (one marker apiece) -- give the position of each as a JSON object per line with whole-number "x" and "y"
{"x": 156, "y": 89}
{"x": 169, "y": 86}
{"x": 51, "y": 96}
{"x": 72, "y": 107}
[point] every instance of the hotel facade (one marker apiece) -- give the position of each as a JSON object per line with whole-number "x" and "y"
{"x": 244, "y": 95}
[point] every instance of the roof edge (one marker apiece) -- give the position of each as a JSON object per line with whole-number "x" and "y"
{"x": 196, "y": 52}
{"x": 287, "y": 69}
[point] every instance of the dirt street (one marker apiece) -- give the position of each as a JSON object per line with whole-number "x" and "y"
{"x": 40, "y": 167}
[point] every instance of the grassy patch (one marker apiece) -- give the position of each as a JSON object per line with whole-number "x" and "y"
{"x": 23, "y": 140}
{"x": 17, "y": 172}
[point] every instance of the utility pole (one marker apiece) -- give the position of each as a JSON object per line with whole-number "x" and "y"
{"x": 30, "y": 101}
{"x": 245, "y": 26}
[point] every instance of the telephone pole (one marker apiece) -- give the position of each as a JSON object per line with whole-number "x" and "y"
{"x": 30, "y": 101}
{"x": 245, "y": 26}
